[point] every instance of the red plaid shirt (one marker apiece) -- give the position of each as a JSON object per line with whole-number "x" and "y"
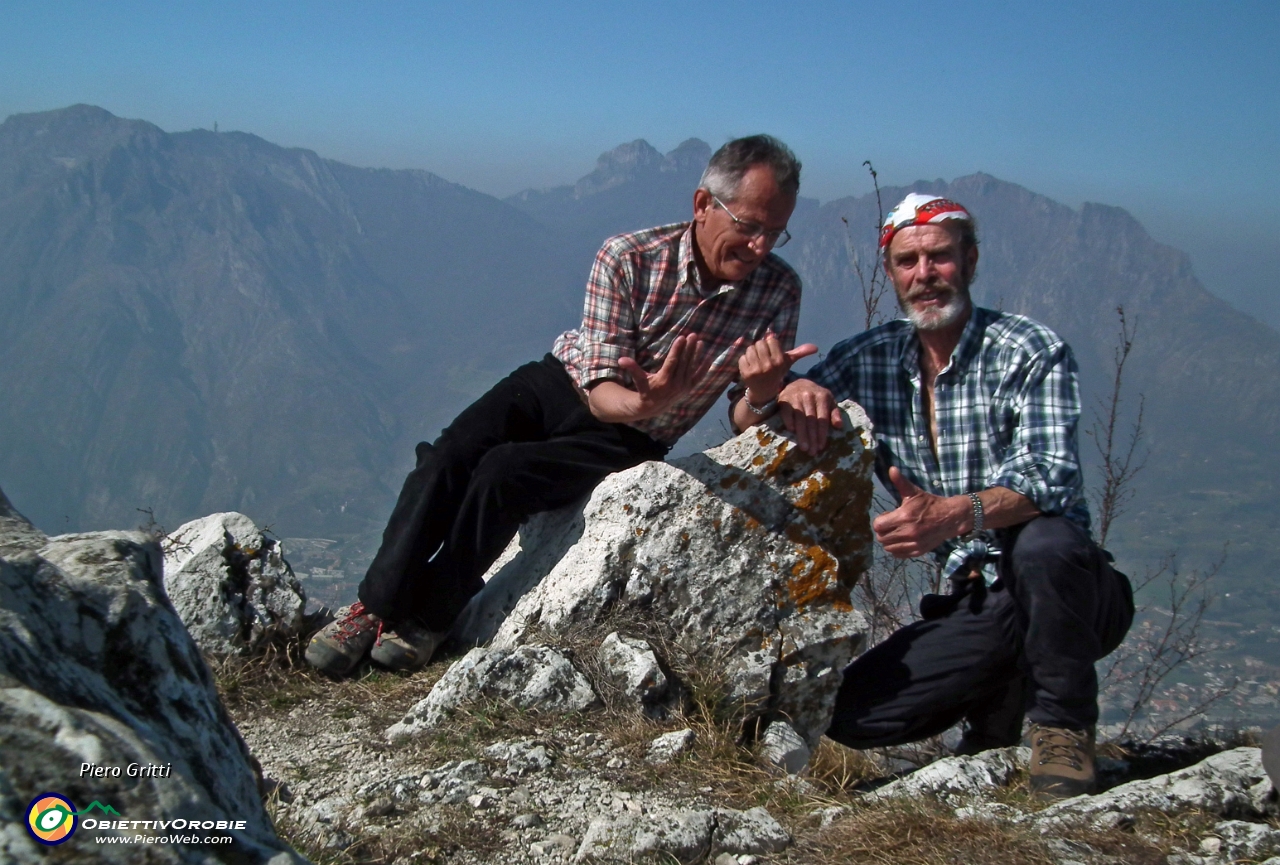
{"x": 644, "y": 291}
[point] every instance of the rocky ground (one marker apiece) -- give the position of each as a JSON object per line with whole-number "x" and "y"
{"x": 496, "y": 784}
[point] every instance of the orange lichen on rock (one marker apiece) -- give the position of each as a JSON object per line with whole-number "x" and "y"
{"x": 772, "y": 440}
{"x": 816, "y": 578}
{"x": 811, "y": 486}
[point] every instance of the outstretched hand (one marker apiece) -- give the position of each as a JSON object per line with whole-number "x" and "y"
{"x": 921, "y": 522}
{"x": 685, "y": 365}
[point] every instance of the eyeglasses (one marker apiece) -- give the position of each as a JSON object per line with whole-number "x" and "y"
{"x": 754, "y": 230}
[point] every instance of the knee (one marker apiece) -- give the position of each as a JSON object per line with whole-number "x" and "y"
{"x": 499, "y": 472}
{"x": 450, "y": 453}
{"x": 1051, "y": 539}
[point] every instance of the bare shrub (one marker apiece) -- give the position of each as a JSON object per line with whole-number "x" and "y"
{"x": 162, "y": 536}
{"x": 1120, "y": 455}
{"x": 1164, "y": 641}
{"x": 872, "y": 280}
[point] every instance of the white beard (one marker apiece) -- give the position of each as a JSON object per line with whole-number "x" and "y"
{"x": 937, "y": 317}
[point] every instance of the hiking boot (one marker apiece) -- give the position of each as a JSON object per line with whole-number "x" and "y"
{"x": 407, "y": 647}
{"x": 338, "y": 646}
{"x": 1061, "y": 762}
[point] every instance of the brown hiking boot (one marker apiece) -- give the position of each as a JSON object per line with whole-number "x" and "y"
{"x": 338, "y": 646}
{"x": 408, "y": 647}
{"x": 1061, "y": 762}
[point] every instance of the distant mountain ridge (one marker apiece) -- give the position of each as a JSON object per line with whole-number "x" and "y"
{"x": 202, "y": 321}
{"x": 198, "y": 322}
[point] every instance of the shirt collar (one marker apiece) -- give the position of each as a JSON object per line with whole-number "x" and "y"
{"x": 965, "y": 351}
{"x": 688, "y": 262}
{"x": 689, "y": 274}
{"x": 970, "y": 341}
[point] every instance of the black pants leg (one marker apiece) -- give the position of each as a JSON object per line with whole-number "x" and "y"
{"x": 1057, "y": 609}
{"x": 1072, "y": 609}
{"x": 528, "y": 445}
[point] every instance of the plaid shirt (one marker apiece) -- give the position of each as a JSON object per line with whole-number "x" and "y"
{"x": 644, "y": 291}
{"x": 1007, "y": 407}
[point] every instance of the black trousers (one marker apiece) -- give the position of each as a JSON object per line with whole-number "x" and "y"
{"x": 1028, "y": 642}
{"x": 528, "y": 445}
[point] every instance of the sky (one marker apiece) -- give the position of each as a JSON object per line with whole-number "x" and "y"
{"x": 1168, "y": 109}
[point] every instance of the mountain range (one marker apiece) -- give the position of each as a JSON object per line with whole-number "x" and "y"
{"x": 195, "y": 322}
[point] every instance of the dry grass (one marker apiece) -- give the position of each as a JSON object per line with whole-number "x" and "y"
{"x": 457, "y": 831}
{"x": 276, "y": 679}
{"x": 917, "y": 831}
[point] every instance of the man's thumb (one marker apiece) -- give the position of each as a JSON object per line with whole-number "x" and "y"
{"x": 905, "y": 488}
{"x": 801, "y": 351}
{"x": 639, "y": 377}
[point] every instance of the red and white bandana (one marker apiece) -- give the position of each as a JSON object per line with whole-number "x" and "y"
{"x": 920, "y": 209}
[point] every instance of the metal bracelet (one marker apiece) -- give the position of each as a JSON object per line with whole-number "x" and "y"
{"x": 977, "y": 516}
{"x": 764, "y": 408}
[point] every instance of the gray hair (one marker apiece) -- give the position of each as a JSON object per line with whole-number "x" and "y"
{"x": 728, "y": 164}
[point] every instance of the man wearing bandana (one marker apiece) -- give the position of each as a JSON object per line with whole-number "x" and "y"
{"x": 975, "y": 415}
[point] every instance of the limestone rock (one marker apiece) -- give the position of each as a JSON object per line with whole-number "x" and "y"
{"x": 95, "y": 667}
{"x": 16, "y": 532}
{"x": 746, "y": 553}
{"x": 522, "y": 757}
{"x": 781, "y": 746}
{"x": 668, "y": 746}
{"x": 633, "y": 669}
{"x": 1232, "y": 784}
{"x": 452, "y": 783}
{"x": 531, "y": 677}
{"x": 1232, "y": 841}
{"x": 753, "y": 831}
{"x": 231, "y": 585}
{"x": 683, "y": 835}
{"x": 954, "y": 779}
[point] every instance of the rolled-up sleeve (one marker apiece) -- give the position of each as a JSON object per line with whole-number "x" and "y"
{"x": 1042, "y": 460}
{"x": 608, "y": 330}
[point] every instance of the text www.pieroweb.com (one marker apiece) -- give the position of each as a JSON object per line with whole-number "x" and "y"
{"x": 123, "y": 826}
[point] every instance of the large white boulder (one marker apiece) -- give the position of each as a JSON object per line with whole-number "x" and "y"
{"x": 231, "y": 585}
{"x": 743, "y": 555}
{"x": 97, "y": 675}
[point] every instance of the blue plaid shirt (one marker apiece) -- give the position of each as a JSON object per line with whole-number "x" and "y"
{"x": 1007, "y": 408}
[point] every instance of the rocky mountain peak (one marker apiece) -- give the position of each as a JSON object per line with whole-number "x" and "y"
{"x": 617, "y": 166}
{"x": 692, "y": 154}
{"x": 638, "y": 160}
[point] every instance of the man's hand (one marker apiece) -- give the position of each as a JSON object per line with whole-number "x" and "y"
{"x": 922, "y": 521}
{"x": 686, "y": 364}
{"x": 764, "y": 365}
{"x": 809, "y": 410}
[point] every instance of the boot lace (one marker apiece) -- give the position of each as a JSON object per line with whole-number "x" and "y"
{"x": 1060, "y": 748}
{"x": 350, "y": 625}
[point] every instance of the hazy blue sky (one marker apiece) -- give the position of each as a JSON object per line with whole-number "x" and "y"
{"x": 1171, "y": 110}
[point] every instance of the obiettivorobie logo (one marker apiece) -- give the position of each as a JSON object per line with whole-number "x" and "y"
{"x": 51, "y": 818}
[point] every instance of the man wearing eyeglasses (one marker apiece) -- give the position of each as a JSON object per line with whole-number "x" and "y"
{"x": 673, "y": 316}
